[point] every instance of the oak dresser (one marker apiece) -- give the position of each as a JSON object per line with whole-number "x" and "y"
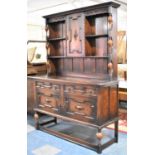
{"x": 81, "y": 86}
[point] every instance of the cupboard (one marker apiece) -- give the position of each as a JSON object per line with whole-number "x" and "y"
{"x": 81, "y": 86}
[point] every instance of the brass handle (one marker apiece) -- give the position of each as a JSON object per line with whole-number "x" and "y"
{"x": 47, "y": 86}
{"x": 92, "y": 106}
{"x": 47, "y": 100}
{"x": 43, "y": 86}
{"x": 47, "y": 105}
{"x": 79, "y": 107}
{"x": 41, "y": 105}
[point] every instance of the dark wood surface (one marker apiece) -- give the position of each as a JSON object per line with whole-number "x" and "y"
{"x": 88, "y": 100}
{"x": 30, "y": 95}
{"x": 81, "y": 49}
{"x": 90, "y": 10}
{"x": 33, "y": 70}
{"x": 74, "y": 80}
{"x": 83, "y": 33}
{"x": 36, "y": 69}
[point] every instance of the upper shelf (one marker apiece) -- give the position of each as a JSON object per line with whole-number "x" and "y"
{"x": 105, "y": 57}
{"x": 56, "y": 39}
{"x": 96, "y": 36}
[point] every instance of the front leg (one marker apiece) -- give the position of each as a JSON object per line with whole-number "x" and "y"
{"x": 99, "y": 136}
{"x": 116, "y": 131}
{"x": 36, "y": 119}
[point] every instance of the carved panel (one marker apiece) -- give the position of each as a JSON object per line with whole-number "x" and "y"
{"x": 75, "y": 30}
{"x": 47, "y": 89}
{"x": 87, "y": 91}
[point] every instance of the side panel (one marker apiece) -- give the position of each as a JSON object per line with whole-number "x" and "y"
{"x": 113, "y": 102}
{"x": 107, "y": 104}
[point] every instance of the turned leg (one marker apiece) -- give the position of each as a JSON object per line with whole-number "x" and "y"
{"x": 55, "y": 120}
{"x": 36, "y": 119}
{"x": 99, "y": 136}
{"x": 116, "y": 131}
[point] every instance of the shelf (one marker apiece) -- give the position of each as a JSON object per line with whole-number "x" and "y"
{"x": 56, "y": 39}
{"x": 53, "y": 57}
{"x": 96, "y": 36}
{"x": 97, "y": 57}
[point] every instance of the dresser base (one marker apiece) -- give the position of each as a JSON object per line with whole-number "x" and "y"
{"x": 81, "y": 134}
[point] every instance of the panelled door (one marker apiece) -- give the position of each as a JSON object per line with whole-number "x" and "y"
{"x": 75, "y": 35}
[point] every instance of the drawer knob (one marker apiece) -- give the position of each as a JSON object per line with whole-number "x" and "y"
{"x": 79, "y": 107}
{"x": 41, "y": 105}
{"x": 47, "y": 86}
{"x": 47, "y": 100}
{"x": 47, "y": 105}
{"x": 92, "y": 106}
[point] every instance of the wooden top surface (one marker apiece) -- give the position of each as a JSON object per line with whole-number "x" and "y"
{"x": 75, "y": 80}
{"x": 106, "y": 4}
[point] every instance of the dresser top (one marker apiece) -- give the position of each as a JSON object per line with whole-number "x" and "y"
{"x": 75, "y": 80}
{"x": 101, "y": 5}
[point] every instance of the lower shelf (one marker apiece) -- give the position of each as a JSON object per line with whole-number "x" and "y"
{"x": 80, "y": 134}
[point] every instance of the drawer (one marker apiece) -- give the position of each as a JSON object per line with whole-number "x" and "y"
{"x": 48, "y": 89}
{"x": 50, "y": 104}
{"x": 81, "y": 108}
{"x": 87, "y": 91}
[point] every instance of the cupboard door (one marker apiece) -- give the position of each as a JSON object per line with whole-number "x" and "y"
{"x": 75, "y": 31}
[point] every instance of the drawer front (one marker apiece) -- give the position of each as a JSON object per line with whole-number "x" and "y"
{"x": 47, "y": 88}
{"x": 50, "y": 104}
{"x": 81, "y": 108}
{"x": 87, "y": 91}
